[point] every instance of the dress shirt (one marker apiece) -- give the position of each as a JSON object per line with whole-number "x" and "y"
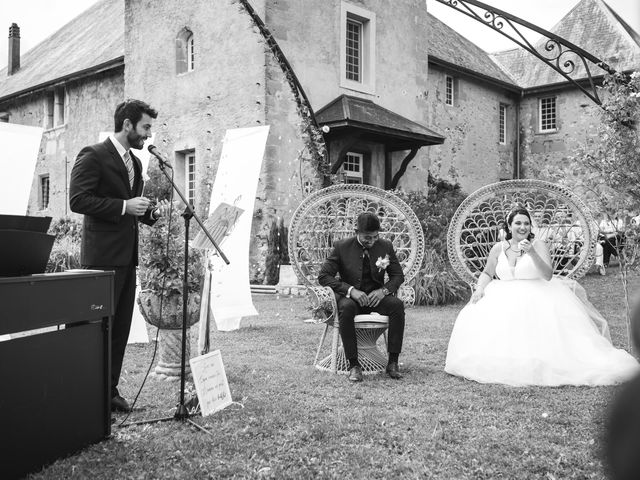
{"x": 121, "y": 151}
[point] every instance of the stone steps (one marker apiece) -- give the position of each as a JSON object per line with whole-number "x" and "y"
{"x": 295, "y": 290}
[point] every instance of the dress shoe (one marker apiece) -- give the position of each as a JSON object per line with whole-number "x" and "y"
{"x": 119, "y": 404}
{"x": 602, "y": 270}
{"x": 355, "y": 374}
{"x": 393, "y": 371}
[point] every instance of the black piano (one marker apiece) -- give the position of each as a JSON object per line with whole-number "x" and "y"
{"x": 54, "y": 366}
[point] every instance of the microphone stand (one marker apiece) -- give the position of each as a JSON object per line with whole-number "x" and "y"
{"x": 182, "y": 413}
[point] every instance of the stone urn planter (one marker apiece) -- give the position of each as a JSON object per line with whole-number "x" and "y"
{"x": 170, "y": 325}
{"x": 161, "y": 272}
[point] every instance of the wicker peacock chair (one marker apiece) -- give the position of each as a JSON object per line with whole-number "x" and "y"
{"x": 559, "y": 217}
{"x": 329, "y": 215}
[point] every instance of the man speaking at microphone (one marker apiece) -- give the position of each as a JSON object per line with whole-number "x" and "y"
{"x": 106, "y": 187}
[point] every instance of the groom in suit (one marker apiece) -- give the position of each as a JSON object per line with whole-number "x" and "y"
{"x": 361, "y": 262}
{"x": 106, "y": 187}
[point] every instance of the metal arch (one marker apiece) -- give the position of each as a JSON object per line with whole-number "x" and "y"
{"x": 557, "y": 53}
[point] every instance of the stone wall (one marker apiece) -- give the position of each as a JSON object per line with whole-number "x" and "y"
{"x": 471, "y": 150}
{"x": 577, "y": 123}
{"x": 225, "y": 90}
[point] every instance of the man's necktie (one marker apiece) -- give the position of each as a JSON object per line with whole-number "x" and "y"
{"x": 129, "y": 164}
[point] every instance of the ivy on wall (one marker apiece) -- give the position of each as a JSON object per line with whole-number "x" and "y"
{"x": 315, "y": 152}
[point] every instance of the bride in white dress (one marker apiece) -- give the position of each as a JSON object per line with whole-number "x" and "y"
{"x": 530, "y": 328}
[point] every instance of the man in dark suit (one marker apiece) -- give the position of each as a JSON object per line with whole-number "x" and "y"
{"x": 361, "y": 262}
{"x": 106, "y": 187}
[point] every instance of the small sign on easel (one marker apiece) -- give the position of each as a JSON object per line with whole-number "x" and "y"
{"x": 211, "y": 383}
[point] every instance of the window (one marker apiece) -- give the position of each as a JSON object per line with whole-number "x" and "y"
{"x": 44, "y": 192}
{"x": 190, "y": 176}
{"x": 49, "y": 104}
{"x": 548, "y": 114}
{"x": 190, "y": 54}
{"x": 307, "y": 188}
{"x": 185, "y": 51}
{"x": 4, "y": 117}
{"x": 502, "y": 135}
{"x": 59, "y": 109}
{"x": 354, "y": 50}
{"x": 55, "y": 108}
{"x": 357, "y": 51}
{"x": 448, "y": 90}
{"x": 352, "y": 168}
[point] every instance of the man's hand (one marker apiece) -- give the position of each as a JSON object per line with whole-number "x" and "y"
{"x": 375, "y": 297}
{"x": 137, "y": 206}
{"x": 162, "y": 208}
{"x": 360, "y": 297}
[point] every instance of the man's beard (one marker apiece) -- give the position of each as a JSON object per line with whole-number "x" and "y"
{"x": 135, "y": 141}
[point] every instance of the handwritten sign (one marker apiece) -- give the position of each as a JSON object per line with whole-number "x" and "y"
{"x": 211, "y": 383}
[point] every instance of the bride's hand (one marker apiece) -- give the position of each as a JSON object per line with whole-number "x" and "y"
{"x": 524, "y": 246}
{"x": 477, "y": 295}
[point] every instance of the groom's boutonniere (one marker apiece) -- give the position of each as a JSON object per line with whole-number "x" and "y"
{"x": 382, "y": 263}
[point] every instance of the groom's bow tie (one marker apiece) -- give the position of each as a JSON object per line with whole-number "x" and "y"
{"x": 365, "y": 253}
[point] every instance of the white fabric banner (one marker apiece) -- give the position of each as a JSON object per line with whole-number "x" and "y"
{"x": 235, "y": 185}
{"x": 19, "y": 145}
{"x": 138, "y": 332}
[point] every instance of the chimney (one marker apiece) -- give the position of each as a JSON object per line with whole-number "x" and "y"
{"x": 14, "y": 49}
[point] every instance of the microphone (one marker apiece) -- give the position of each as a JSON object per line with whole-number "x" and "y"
{"x": 163, "y": 161}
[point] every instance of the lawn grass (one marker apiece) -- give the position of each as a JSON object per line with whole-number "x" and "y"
{"x": 291, "y": 421}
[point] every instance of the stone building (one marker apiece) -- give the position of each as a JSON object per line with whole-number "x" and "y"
{"x": 510, "y": 115}
{"x": 400, "y": 92}
{"x": 473, "y": 103}
{"x": 555, "y": 117}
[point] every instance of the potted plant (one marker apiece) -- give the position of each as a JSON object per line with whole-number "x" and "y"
{"x": 277, "y": 251}
{"x": 161, "y": 273}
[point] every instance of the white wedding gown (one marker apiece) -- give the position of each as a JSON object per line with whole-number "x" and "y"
{"x": 529, "y": 331}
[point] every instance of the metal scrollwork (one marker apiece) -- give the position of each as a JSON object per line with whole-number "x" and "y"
{"x": 497, "y": 20}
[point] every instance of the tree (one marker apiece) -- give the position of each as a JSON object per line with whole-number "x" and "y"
{"x": 607, "y": 169}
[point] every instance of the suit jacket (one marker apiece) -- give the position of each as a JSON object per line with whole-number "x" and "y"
{"x": 346, "y": 260}
{"x": 99, "y": 183}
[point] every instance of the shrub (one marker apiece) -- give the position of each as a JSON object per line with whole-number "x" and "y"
{"x": 160, "y": 270}
{"x": 436, "y": 284}
{"x": 65, "y": 253}
{"x": 277, "y": 251}
{"x": 434, "y": 209}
